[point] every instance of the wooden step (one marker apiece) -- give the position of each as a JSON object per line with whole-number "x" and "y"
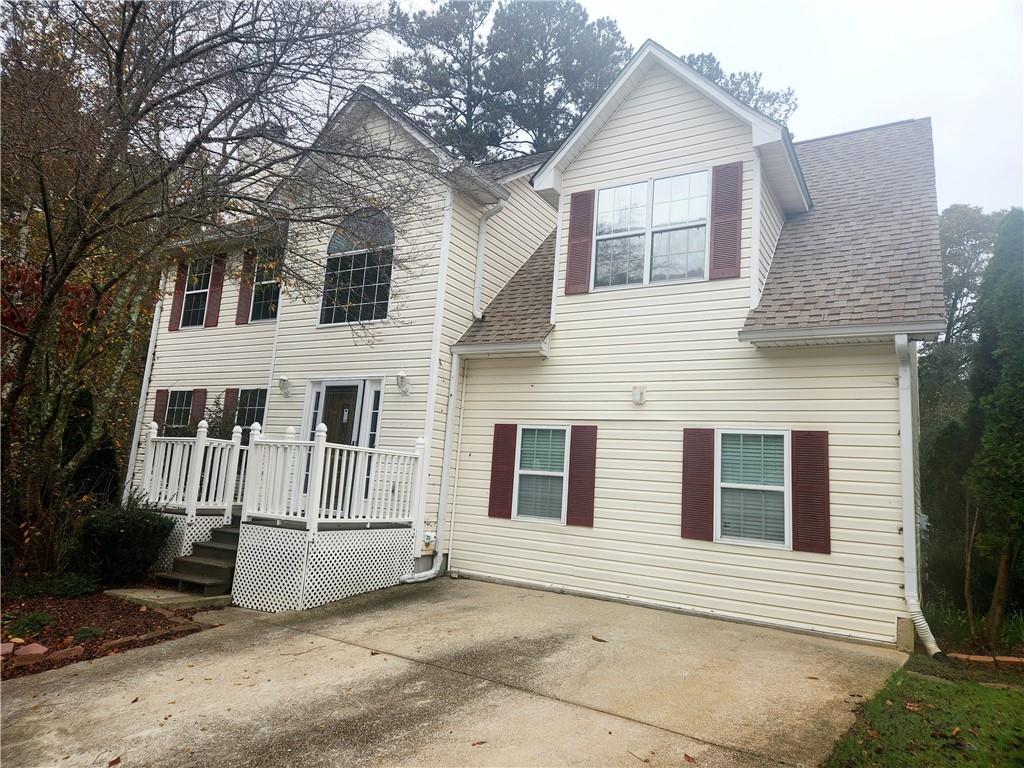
{"x": 216, "y": 550}
{"x": 225, "y": 535}
{"x": 204, "y": 566}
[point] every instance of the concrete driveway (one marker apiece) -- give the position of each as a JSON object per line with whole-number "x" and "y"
{"x": 450, "y": 673}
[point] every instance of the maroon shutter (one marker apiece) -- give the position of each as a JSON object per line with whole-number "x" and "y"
{"x": 245, "y": 288}
{"x": 179, "y": 297}
{"x": 582, "y": 458}
{"x": 810, "y": 492}
{"x": 503, "y": 470}
{"x": 726, "y": 208}
{"x": 198, "y": 412}
{"x": 230, "y": 404}
{"x": 698, "y": 484}
{"x": 216, "y": 289}
{"x": 160, "y": 407}
{"x": 581, "y": 235}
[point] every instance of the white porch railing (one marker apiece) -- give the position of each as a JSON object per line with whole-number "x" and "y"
{"x": 316, "y": 482}
{"x": 189, "y": 473}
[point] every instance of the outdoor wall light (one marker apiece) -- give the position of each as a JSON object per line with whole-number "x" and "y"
{"x": 639, "y": 394}
{"x": 402, "y": 382}
{"x": 284, "y": 385}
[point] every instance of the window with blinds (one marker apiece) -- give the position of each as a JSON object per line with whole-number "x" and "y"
{"x": 541, "y": 473}
{"x": 752, "y": 487}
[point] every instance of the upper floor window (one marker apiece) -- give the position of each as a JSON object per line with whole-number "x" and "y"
{"x": 652, "y": 231}
{"x": 197, "y": 292}
{"x": 357, "y": 280}
{"x": 266, "y": 287}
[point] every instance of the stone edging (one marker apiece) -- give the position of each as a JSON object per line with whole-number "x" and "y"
{"x": 1005, "y": 662}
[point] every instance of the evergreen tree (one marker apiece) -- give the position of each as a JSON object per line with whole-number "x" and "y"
{"x": 996, "y": 476}
{"x": 441, "y": 77}
{"x": 746, "y": 86}
{"x": 549, "y": 63}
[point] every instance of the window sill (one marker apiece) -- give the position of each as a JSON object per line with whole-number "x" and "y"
{"x": 543, "y": 520}
{"x": 655, "y": 284}
{"x": 353, "y": 322}
{"x": 777, "y": 546}
{"x": 269, "y": 321}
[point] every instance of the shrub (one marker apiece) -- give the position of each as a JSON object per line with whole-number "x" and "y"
{"x": 54, "y": 585}
{"x": 87, "y": 633}
{"x": 28, "y": 624}
{"x": 120, "y": 543}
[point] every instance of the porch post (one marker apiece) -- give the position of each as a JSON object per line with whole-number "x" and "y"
{"x": 316, "y": 474}
{"x": 232, "y": 473}
{"x": 195, "y": 473}
{"x": 252, "y": 472}
{"x": 147, "y": 462}
{"x": 419, "y": 500}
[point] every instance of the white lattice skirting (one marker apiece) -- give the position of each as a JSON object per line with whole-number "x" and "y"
{"x": 279, "y": 570}
{"x": 179, "y": 543}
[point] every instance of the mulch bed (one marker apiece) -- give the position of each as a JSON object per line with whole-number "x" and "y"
{"x": 123, "y": 625}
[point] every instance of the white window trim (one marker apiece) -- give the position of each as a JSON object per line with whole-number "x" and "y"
{"x": 167, "y": 409}
{"x": 252, "y": 293}
{"x": 238, "y": 406}
{"x": 648, "y": 232}
{"x": 186, "y": 292}
{"x": 787, "y": 505}
{"x": 564, "y": 474}
{"x": 320, "y": 307}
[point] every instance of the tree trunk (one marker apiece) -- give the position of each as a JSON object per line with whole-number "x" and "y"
{"x": 997, "y": 608}
{"x": 970, "y": 530}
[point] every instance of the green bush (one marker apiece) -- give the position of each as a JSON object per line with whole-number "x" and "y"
{"x": 120, "y": 543}
{"x": 87, "y": 633}
{"x": 28, "y": 624}
{"x": 54, "y": 585}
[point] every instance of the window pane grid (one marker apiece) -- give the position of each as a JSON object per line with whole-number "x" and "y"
{"x": 541, "y": 473}
{"x": 357, "y": 287}
{"x": 252, "y": 406}
{"x": 752, "y": 496}
{"x": 197, "y": 288}
{"x": 179, "y": 408}
{"x": 266, "y": 290}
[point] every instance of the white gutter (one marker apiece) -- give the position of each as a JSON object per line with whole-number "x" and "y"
{"x": 133, "y": 454}
{"x": 442, "y": 493}
{"x": 435, "y": 366}
{"x": 906, "y": 358}
{"x": 481, "y": 241}
{"x": 926, "y": 330}
{"x": 504, "y": 348}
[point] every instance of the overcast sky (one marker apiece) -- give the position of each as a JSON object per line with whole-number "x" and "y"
{"x": 862, "y": 63}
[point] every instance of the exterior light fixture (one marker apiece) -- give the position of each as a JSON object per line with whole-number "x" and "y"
{"x": 284, "y": 385}
{"x": 639, "y": 394}
{"x": 402, "y": 382}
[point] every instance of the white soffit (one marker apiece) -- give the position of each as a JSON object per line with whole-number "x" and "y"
{"x": 770, "y": 138}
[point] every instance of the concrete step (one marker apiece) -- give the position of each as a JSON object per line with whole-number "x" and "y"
{"x": 216, "y": 550}
{"x": 197, "y": 565}
{"x": 207, "y": 585}
{"x": 225, "y": 535}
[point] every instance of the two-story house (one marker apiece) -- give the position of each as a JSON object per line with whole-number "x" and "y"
{"x": 692, "y": 384}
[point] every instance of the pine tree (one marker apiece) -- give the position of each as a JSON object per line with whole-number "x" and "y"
{"x": 441, "y": 78}
{"x": 549, "y": 64}
{"x": 746, "y": 86}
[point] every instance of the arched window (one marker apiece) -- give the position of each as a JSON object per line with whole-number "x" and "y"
{"x": 357, "y": 282}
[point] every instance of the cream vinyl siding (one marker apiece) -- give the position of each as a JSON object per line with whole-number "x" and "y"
{"x": 679, "y": 342}
{"x": 772, "y": 219}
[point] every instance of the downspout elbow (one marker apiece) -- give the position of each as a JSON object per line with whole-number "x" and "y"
{"x": 481, "y": 243}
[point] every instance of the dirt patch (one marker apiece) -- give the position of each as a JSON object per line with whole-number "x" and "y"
{"x": 99, "y": 624}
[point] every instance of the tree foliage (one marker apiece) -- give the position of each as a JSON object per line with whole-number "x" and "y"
{"x": 134, "y": 135}
{"x": 967, "y": 235}
{"x": 746, "y": 86}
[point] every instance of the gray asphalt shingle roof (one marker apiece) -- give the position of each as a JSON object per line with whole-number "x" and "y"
{"x": 499, "y": 168}
{"x": 521, "y": 311}
{"x": 867, "y": 253}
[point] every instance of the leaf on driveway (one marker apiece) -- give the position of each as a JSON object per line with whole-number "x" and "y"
{"x": 115, "y": 761}
{"x": 598, "y": 639}
{"x": 477, "y": 743}
{"x": 688, "y": 758}
{"x": 135, "y": 699}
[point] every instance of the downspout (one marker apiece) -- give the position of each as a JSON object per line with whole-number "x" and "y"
{"x": 133, "y": 454}
{"x": 905, "y": 353}
{"x": 458, "y": 465}
{"x": 481, "y": 242}
{"x": 442, "y": 492}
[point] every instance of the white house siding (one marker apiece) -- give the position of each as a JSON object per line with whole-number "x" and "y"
{"x": 772, "y": 219}
{"x": 679, "y": 341}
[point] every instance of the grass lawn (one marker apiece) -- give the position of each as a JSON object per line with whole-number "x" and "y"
{"x": 929, "y": 715}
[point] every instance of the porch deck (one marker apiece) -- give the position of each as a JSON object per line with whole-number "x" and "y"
{"x": 316, "y": 521}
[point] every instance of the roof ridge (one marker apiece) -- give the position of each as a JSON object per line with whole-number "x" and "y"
{"x": 514, "y": 157}
{"x": 863, "y": 130}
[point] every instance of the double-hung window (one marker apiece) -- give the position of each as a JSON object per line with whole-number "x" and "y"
{"x": 197, "y": 292}
{"x": 252, "y": 406}
{"x": 542, "y": 468}
{"x": 752, "y": 476}
{"x": 266, "y": 287}
{"x": 179, "y": 408}
{"x": 652, "y": 231}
